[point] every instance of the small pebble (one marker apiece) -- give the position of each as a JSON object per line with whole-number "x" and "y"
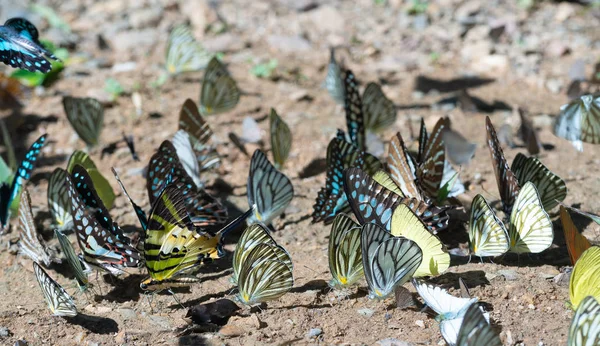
{"x": 366, "y": 312}
{"x": 4, "y": 332}
{"x": 314, "y": 332}
{"x": 420, "y": 323}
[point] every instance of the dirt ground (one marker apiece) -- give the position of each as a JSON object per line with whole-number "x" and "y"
{"x": 529, "y": 53}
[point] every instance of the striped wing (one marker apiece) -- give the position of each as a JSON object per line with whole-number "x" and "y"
{"x": 577, "y": 243}
{"x": 407, "y": 224}
{"x": 252, "y": 236}
{"x": 184, "y": 53}
{"x": 20, "y": 47}
{"x": 388, "y": 261}
{"x": 585, "y": 277}
{"x": 487, "y": 234}
{"x": 568, "y": 125}
{"x": 22, "y": 175}
{"x": 508, "y": 185}
{"x": 164, "y": 165}
{"x": 590, "y": 122}
{"x": 475, "y": 330}
{"x": 103, "y": 187}
{"x": 344, "y": 253}
{"x": 220, "y": 92}
{"x": 58, "y": 200}
{"x": 264, "y": 275}
{"x": 281, "y": 139}
{"x": 268, "y": 188}
{"x": 585, "y": 325}
{"x": 401, "y": 169}
{"x": 354, "y": 111}
{"x": 551, "y": 187}
{"x": 372, "y": 202}
{"x": 334, "y": 82}
{"x": 30, "y": 241}
{"x": 530, "y": 229}
{"x": 430, "y": 170}
{"x": 86, "y": 115}
{"x": 200, "y": 133}
{"x": 81, "y": 272}
{"x": 379, "y": 112}
{"x": 58, "y": 300}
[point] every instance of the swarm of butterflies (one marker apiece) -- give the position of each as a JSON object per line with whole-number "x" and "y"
{"x": 385, "y": 217}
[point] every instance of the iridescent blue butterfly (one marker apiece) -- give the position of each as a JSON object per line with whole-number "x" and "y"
{"x": 371, "y": 202}
{"x": 102, "y": 247}
{"x": 20, "y": 47}
{"x": 354, "y": 111}
{"x": 23, "y": 173}
{"x": 331, "y": 199}
{"x": 204, "y": 209}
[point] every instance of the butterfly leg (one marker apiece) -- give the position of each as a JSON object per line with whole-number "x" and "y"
{"x": 175, "y": 298}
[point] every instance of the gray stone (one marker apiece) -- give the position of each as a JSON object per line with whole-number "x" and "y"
{"x": 288, "y": 44}
{"x": 127, "y": 314}
{"x": 314, "y": 332}
{"x": 251, "y": 132}
{"x": 160, "y": 321}
{"x": 393, "y": 342}
{"x": 148, "y": 17}
{"x": 5, "y": 332}
{"x": 227, "y": 42}
{"x": 509, "y": 274}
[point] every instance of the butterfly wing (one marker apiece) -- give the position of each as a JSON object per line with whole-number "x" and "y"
{"x": 200, "y": 133}
{"x": 585, "y": 325}
{"x": 379, "y": 112}
{"x": 551, "y": 187}
{"x": 220, "y": 92}
{"x": 530, "y": 228}
{"x": 252, "y": 236}
{"x": 101, "y": 184}
{"x": 184, "y": 53}
{"x": 268, "y": 188}
{"x": 475, "y": 330}
{"x": 281, "y": 139}
{"x": 58, "y": 200}
{"x": 442, "y": 302}
{"x": 81, "y": 273}
{"x": 430, "y": 171}
{"x": 590, "y": 122}
{"x": 334, "y": 82}
{"x": 401, "y": 169}
{"x": 577, "y": 243}
{"x": 407, "y": 224}
{"x": 344, "y": 253}
{"x": 58, "y": 300}
{"x": 508, "y": 184}
{"x": 585, "y": 277}
{"x": 20, "y": 47}
{"x": 86, "y": 115}
{"x": 529, "y": 134}
{"x": 139, "y": 212}
{"x": 568, "y": 125}
{"x": 354, "y": 111}
{"x": 187, "y": 156}
{"x": 30, "y": 241}
{"x": 487, "y": 234}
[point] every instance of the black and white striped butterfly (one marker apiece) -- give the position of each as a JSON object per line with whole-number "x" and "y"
{"x": 31, "y": 242}
{"x": 58, "y": 300}
{"x": 344, "y": 252}
{"x": 200, "y": 134}
{"x": 220, "y": 92}
{"x": 379, "y": 111}
{"x": 20, "y": 46}
{"x": 585, "y": 325}
{"x": 268, "y": 188}
{"x": 579, "y": 121}
{"x": 86, "y": 115}
{"x": 79, "y": 267}
{"x": 475, "y": 330}
{"x": 184, "y": 53}
{"x": 58, "y": 200}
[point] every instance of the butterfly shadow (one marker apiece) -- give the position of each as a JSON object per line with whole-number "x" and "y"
{"x": 95, "y": 324}
{"x": 472, "y": 278}
{"x": 201, "y": 299}
{"x": 315, "y": 167}
{"x": 20, "y": 125}
{"x": 425, "y": 84}
{"x": 473, "y": 104}
{"x": 124, "y": 290}
{"x": 195, "y": 339}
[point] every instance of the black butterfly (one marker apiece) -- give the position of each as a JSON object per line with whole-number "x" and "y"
{"x": 20, "y": 47}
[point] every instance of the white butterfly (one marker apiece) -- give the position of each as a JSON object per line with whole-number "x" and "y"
{"x": 451, "y": 310}
{"x": 585, "y": 326}
{"x": 187, "y": 156}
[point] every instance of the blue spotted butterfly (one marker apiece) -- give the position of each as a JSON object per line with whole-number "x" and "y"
{"x": 331, "y": 199}
{"x": 204, "y": 209}
{"x": 354, "y": 112}
{"x": 9, "y": 193}
{"x": 101, "y": 240}
{"x": 20, "y": 47}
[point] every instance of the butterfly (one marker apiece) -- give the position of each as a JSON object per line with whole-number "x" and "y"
{"x": 220, "y": 92}
{"x": 78, "y": 266}
{"x": 379, "y": 112}
{"x": 268, "y": 188}
{"x": 8, "y": 194}
{"x": 550, "y": 186}
{"x": 333, "y": 81}
{"x": 332, "y": 199}
{"x": 591, "y": 216}
{"x": 584, "y": 330}
{"x": 353, "y": 107}
{"x": 173, "y": 246}
{"x": 20, "y": 47}
{"x": 528, "y": 133}
{"x": 344, "y": 252}
{"x": 585, "y": 277}
{"x": 451, "y": 310}
{"x": 281, "y": 139}
{"x": 139, "y": 212}
{"x": 58, "y": 300}
{"x": 266, "y": 274}
{"x": 129, "y": 141}
{"x": 579, "y": 121}
{"x": 31, "y": 242}
{"x": 86, "y": 115}
{"x": 577, "y": 243}
{"x": 253, "y": 235}
{"x": 388, "y": 261}
{"x": 204, "y": 209}
{"x": 375, "y": 199}
{"x": 100, "y": 239}
{"x": 58, "y": 200}
{"x": 200, "y": 134}
{"x": 184, "y": 53}
{"x": 475, "y": 330}
{"x": 459, "y": 150}
{"x": 103, "y": 187}
{"x": 487, "y": 233}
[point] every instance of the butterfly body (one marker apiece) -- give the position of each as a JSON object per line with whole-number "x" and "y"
{"x": 20, "y": 47}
